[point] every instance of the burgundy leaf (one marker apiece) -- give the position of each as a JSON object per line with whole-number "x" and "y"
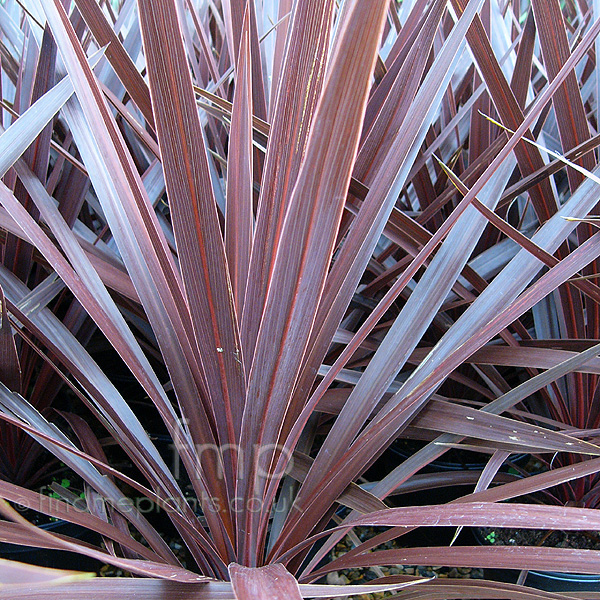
{"x": 273, "y": 582}
{"x": 568, "y": 104}
{"x": 199, "y": 241}
{"x": 239, "y": 219}
{"x": 306, "y": 246}
{"x": 12, "y": 573}
{"x": 140, "y": 567}
{"x": 300, "y": 84}
{"x": 149, "y": 261}
{"x": 10, "y": 368}
{"x": 120, "y": 61}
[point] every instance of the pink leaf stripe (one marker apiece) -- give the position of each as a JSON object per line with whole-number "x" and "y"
{"x": 239, "y": 216}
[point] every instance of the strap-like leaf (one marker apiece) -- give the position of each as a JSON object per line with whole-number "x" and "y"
{"x": 404, "y": 399}
{"x": 145, "y": 252}
{"x": 140, "y": 567}
{"x": 568, "y": 104}
{"x": 239, "y": 220}
{"x": 199, "y": 242}
{"x": 12, "y": 573}
{"x": 120, "y": 61}
{"x": 297, "y": 95}
{"x": 10, "y": 368}
{"x": 305, "y": 249}
{"x": 273, "y": 582}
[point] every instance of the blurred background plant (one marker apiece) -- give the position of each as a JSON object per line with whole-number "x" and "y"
{"x": 300, "y": 233}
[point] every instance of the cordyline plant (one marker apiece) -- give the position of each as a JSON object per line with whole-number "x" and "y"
{"x": 324, "y": 223}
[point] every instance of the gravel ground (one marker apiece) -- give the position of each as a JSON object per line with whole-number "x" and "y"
{"x": 358, "y": 576}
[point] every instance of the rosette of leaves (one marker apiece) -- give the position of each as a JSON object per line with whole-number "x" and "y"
{"x": 268, "y": 242}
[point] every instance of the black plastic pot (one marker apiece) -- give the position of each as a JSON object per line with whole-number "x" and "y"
{"x": 548, "y": 581}
{"x": 553, "y": 581}
{"x": 58, "y": 559}
{"x": 454, "y": 460}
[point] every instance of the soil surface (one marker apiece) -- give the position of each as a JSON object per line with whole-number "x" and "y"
{"x": 586, "y": 540}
